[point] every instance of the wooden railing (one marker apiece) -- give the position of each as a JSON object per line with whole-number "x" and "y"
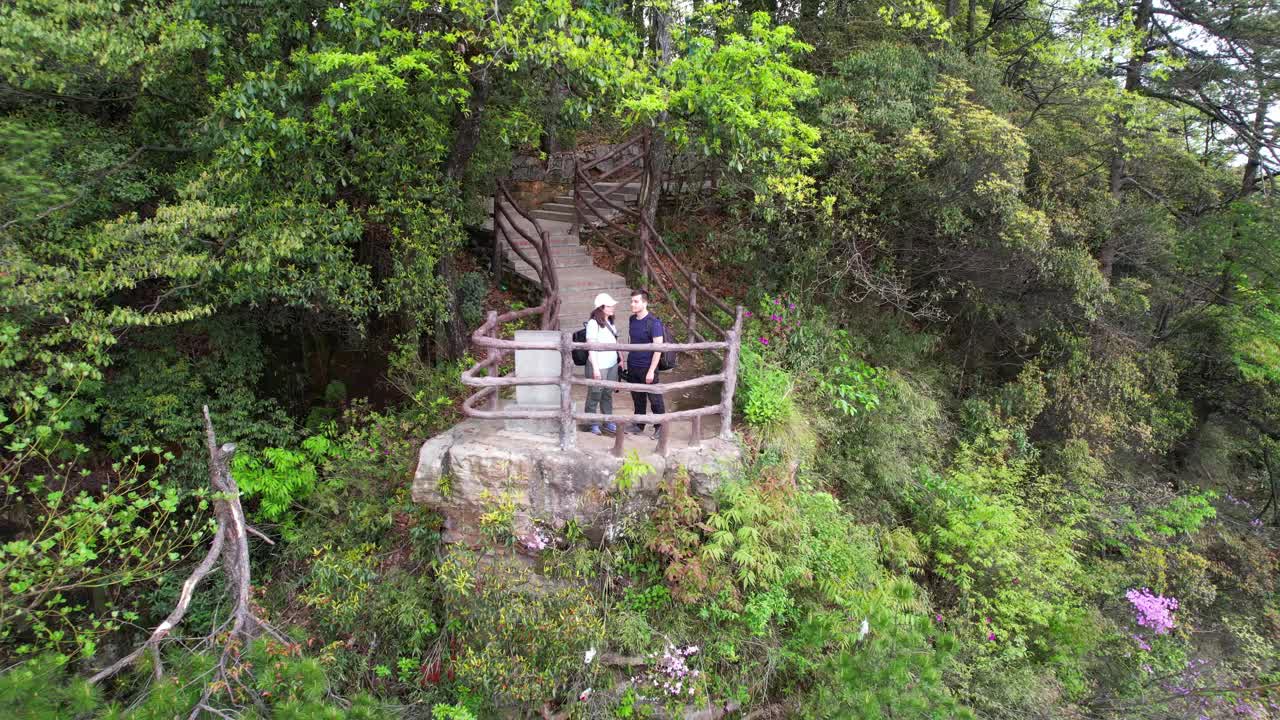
{"x": 491, "y": 383}
{"x": 511, "y": 223}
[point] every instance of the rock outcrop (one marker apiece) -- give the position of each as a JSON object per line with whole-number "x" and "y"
{"x": 478, "y": 465}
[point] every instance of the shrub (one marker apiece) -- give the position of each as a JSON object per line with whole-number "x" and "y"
{"x": 154, "y": 393}
{"x": 517, "y": 645}
{"x": 83, "y": 531}
{"x": 282, "y": 682}
{"x": 281, "y": 476}
{"x": 1005, "y": 564}
{"x": 472, "y": 289}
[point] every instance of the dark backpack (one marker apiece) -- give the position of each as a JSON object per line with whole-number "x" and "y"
{"x": 580, "y": 355}
{"x": 667, "y": 360}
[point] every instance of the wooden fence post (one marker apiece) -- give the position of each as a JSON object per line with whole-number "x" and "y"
{"x": 642, "y": 256}
{"x": 693, "y": 304}
{"x": 497, "y": 244}
{"x": 619, "y": 436}
{"x": 495, "y": 357}
{"x": 576, "y": 229}
{"x": 568, "y": 434}
{"x": 664, "y": 435}
{"x": 730, "y": 377}
{"x": 548, "y": 284}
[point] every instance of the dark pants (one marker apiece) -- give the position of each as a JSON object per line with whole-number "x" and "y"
{"x": 641, "y": 399}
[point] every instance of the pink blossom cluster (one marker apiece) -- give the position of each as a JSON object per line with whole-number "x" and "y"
{"x": 536, "y": 540}
{"x": 1153, "y": 611}
{"x": 671, "y": 673}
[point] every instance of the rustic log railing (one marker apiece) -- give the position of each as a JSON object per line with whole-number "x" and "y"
{"x": 491, "y": 383}
{"x": 510, "y": 225}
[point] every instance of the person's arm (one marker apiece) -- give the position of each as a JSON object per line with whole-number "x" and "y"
{"x": 622, "y": 354}
{"x": 594, "y": 356}
{"x": 653, "y": 363}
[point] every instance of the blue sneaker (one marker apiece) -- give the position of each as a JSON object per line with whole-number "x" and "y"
{"x": 611, "y": 428}
{"x": 595, "y": 429}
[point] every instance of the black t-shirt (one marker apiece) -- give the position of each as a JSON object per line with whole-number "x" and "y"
{"x": 644, "y": 331}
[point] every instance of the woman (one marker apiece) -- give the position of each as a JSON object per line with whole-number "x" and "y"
{"x": 602, "y": 364}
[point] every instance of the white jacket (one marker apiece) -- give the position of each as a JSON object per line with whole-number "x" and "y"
{"x": 602, "y": 359}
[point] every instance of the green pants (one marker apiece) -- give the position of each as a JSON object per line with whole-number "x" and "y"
{"x": 599, "y": 398}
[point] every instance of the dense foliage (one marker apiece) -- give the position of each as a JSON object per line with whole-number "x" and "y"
{"x": 1009, "y": 395}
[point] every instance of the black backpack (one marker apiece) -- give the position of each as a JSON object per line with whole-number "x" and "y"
{"x": 667, "y": 360}
{"x": 580, "y": 355}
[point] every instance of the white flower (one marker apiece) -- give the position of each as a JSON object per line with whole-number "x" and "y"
{"x": 866, "y": 628}
{"x": 585, "y": 694}
{"x": 591, "y": 655}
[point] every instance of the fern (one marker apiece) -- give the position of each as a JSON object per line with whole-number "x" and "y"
{"x": 281, "y": 476}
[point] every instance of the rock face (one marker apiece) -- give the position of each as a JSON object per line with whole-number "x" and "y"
{"x": 478, "y": 465}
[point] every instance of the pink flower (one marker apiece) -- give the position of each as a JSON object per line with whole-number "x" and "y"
{"x": 1153, "y": 611}
{"x": 764, "y": 341}
{"x": 791, "y": 306}
{"x": 747, "y": 313}
{"x": 991, "y": 637}
{"x": 938, "y": 617}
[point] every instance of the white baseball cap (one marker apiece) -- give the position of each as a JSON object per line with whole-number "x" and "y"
{"x": 603, "y": 299}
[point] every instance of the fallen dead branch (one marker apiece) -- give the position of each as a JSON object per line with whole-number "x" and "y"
{"x": 230, "y": 543}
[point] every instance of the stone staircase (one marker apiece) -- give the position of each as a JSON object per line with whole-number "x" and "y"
{"x": 579, "y": 278}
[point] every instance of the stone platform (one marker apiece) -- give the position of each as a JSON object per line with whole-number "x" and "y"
{"x": 465, "y": 471}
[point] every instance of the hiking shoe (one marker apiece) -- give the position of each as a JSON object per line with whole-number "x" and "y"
{"x": 657, "y": 432}
{"x": 611, "y": 428}
{"x": 595, "y": 430}
{"x": 635, "y": 429}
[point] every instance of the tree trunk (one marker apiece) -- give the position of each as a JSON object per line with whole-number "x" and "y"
{"x": 451, "y": 332}
{"x": 551, "y": 128}
{"x": 1254, "y": 161}
{"x": 1132, "y": 84}
{"x": 655, "y": 157}
{"x": 1107, "y": 253}
{"x": 971, "y": 25}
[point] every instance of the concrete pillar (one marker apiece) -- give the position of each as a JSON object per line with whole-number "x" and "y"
{"x": 537, "y": 363}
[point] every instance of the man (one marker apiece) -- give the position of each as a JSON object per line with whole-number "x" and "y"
{"x": 642, "y": 366}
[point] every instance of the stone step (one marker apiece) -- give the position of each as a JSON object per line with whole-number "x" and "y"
{"x": 577, "y": 303}
{"x": 564, "y": 249}
{"x": 624, "y": 199}
{"x": 558, "y": 261}
{"x": 581, "y": 280}
{"x": 552, "y": 226}
{"x": 567, "y": 216}
{"x": 557, "y": 242}
{"x": 581, "y": 299}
